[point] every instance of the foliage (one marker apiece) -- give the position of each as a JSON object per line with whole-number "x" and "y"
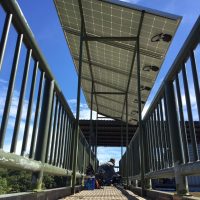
{"x": 12, "y": 181}
{"x": 3, "y": 185}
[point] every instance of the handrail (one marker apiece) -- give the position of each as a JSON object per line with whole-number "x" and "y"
{"x": 169, "y": 124}
{"x": 53, "y": 124}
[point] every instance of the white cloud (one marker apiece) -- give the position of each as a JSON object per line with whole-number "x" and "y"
{"x": 12, "y": 117}
{"x": 193, "y": 104}
{"x": 71, "y": 101}
{"x": 105, "y": 153}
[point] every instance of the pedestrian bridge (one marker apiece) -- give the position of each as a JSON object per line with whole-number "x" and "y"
{"x": 118, "y": 50}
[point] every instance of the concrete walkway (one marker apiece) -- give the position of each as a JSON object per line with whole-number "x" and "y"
{"x": 107, "y": 193}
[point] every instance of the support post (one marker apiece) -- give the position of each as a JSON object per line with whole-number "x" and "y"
{"x": 76, "y": 131}
{"x": 146, "y": 156}
{"x": 127, "y": 171}
{"x": 175, "y": 138}
{"x": 91, "y": 125}
{"x": 43, "y": 131}
{"x": 96, "y": 135}
{"x": 121, "y": 138}
{"x": 140, "y": 122}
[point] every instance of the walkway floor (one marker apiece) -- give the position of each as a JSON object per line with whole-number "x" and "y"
{"x": 107, "y": 193}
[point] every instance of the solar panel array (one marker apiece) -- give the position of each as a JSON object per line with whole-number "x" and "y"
{"x": 111, "y": 61}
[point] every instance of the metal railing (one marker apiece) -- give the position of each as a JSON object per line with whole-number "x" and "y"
{"x": 165, "y": 140}
{"x": 50, "y": 149}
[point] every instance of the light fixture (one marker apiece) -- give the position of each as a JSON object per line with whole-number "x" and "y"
{"x": 136, "y": 101}
{"x": 132, "y": 119}
{"x": 143, "y": 87}
{"x": 161, "y": 36}
{"x": 150, "y": 68}
{"x": 134, "y": 112}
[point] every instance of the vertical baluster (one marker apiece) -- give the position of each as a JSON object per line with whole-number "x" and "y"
{"x": 30, "y": 105}
{"x": 153, "y": 144}
{"x": 150, "y": 145}
{"x": 71, "y": 153}
{"x": 52, "y": 154}
{"x": 47, "y": 158}
{"x": 63, "y": 138}
{"x": 57, "y": 134}
{"x": 10, "y": 90}
{"x": 171, "y": 163}
{"x": 190, "y": 117}
{"x": 66, "y": 142}
{"x": 37, "y": 113}
{"x": 60, "y": 136}
{"x": 182, "y": 122}
{"x": 165, "y": 143}
{"x": 160, "y": 137}
{"x": 4, "y": 37}
{"x": 196, "y": 82}
{"x": 21, "y": 101}
{"x": 156, "y": 141}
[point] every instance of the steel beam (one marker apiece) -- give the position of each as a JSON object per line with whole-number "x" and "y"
{"x": 83, "y": 32}
{"x": 105, "y": 117}
{"x": 118, "y": 45}
{"x": 98, "y": 39}
{"x": 114, "y": 93}
{"x": 76, "y": 133}
{"x": 133, "y": 60}
{"x": 112, "y": 69}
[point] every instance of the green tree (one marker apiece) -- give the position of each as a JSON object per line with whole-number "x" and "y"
{"x": 3, "y": 185}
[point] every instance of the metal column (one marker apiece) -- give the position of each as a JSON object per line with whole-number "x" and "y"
{"x": 127, "y": 171}
{"x": 96, "y": 135}
{"x": 140, "y": 119}
{"x": 43, "y": 131}
{"x": 76, "y": 130}
{"x": 174, "y": 131}
{"x": 91, "y": 136}
{"x": 121, "y": 138}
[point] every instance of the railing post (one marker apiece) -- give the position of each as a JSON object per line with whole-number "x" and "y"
{"x": 91, "y": 123}
{"x": 127, "y": 165}
{"x": 76, "y": 133}
{"x": 43, "y": 131}
{"x": 146, "y": 157}
{"x": 175, "y": 138}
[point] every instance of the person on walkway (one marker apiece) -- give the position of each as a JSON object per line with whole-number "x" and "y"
{"x": 106, "y": 172}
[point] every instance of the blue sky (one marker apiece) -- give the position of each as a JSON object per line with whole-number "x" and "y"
{"x": 44, "y": 23}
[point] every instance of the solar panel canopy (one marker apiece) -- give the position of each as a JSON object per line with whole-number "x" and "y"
{"x": 108, "y": 63}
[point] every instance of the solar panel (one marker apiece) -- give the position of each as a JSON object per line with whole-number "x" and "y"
{"x": 109, "y": 62}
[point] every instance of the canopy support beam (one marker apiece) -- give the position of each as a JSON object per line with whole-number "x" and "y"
{"x": 112, "y": 93}
{"x": 97, "y": 39}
